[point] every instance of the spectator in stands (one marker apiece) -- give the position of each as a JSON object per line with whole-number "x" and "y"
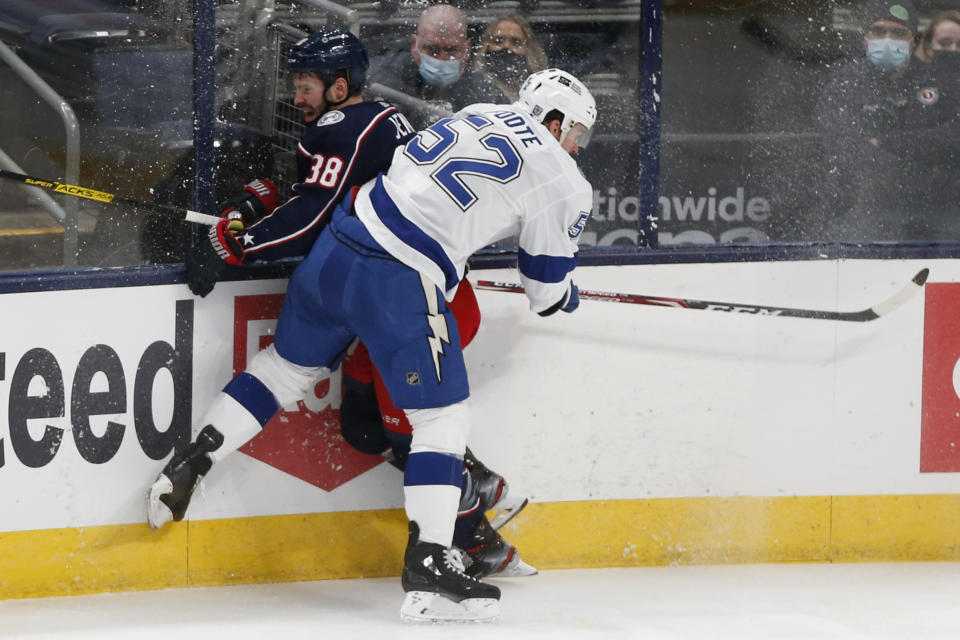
{"x": 934, "y": 117}
{"x": 942, "y": 34}
{"x": 863, "y": 115}
{"x": 509, "y": 52}
{"x": 436, "y": 68}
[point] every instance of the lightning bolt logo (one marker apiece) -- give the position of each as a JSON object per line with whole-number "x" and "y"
{"x": 437, "y": 322}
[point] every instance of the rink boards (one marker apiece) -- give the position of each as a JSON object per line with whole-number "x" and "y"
{"x": 643, "y": 435}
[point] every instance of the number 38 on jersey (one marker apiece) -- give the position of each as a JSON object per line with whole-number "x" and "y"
{"x": 324, "y": 171}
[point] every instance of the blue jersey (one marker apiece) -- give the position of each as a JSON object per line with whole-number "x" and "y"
{"x": 343, "y": 149}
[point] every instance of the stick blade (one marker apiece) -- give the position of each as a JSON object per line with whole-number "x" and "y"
{"x": 899, "y": 298}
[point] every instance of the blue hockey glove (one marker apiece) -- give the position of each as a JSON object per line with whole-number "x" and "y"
{"x": 569, "y": 302}
{"x": 573, "y": 299}
{"x": 208, "y": 259}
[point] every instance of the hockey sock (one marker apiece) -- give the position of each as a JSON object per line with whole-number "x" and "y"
{"x": 470, "y": 513}
{"x": 432, "y": 493}
{"x": 243, "y": 408}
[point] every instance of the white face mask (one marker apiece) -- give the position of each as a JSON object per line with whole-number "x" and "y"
{"x": 888, "y": 53}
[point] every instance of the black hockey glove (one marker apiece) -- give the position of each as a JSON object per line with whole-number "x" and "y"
{"x": 208, "y": 259}
{"x": 258, "y": 199}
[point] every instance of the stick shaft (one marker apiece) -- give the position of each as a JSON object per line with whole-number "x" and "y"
{"x": 106, "y": 197}
{"x": 872, "y": 313}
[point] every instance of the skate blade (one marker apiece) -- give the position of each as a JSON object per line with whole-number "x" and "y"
{"x": 159, "y": 514}
{"x": 519, "y": 569}
{"x": 507, "y": 508}
{"x": 426, "y": 607}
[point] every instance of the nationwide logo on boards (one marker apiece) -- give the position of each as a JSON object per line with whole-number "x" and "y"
{"x": 100, "y": 400}
{"x": 716, "y": 216}
{"x": 98, "y": 391}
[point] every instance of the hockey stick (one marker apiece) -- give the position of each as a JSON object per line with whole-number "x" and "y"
{"x": 108, "y": 198}
{"x": 865, "y": 315}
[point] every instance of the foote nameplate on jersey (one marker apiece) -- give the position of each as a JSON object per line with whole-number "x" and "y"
{"x": 423, "y": 606}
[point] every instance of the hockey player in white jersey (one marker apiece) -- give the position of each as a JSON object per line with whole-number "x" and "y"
{"x": 483, "y": 175}
{"x": 382, "y": 270}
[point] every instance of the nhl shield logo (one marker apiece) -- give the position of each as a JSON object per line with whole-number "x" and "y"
{"x": 928, "y": 95}
{"x": 413, "y": 378}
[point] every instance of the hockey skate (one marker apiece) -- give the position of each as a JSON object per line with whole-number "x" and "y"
{"x": 170, "y": 494}
{"x": 437, "y": 588}
{"x": 489, "y": 555}
{"x": 494, "y": 492}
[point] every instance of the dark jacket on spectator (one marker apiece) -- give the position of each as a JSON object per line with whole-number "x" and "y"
{"x": 881, "y": 139}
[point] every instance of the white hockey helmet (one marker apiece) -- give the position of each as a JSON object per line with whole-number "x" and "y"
{"x": 551, "y": 89}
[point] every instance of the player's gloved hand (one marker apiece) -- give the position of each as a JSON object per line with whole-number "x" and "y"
{"x": 572, "y": 300}
{"x": 208, "y": 259}
{"x": 569, "y": 302}
{"x": 258, "y": 199}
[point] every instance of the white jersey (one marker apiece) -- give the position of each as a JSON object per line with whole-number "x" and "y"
{"x": 487, "y": 173}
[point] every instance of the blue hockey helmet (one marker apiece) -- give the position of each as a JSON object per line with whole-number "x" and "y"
{"x": 327, "y": 52}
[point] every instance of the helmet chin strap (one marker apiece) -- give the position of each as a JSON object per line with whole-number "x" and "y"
{"x": 564, "y": 132}
{"x": 330, "y": 103}
{"x": 333, "y": 105}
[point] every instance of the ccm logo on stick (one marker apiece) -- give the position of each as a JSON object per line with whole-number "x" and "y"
{"x": 103, "y": 362}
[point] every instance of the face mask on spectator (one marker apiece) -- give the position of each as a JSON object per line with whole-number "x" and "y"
{"x": 506, "y": 64}
{"x": 946, "y": 57}
{"x": 888, "y": 53}
{"x": 439, "y": 73}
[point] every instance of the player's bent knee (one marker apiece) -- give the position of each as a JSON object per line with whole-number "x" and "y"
{"x": 443, "y": 429}
{"x": 287, "y": 381}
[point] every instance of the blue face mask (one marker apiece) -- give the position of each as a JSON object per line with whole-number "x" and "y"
{"x": 887, "y": 53}
{"x": 439, "y": 73}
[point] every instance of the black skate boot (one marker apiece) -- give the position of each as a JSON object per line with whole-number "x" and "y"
{"x": 489, "y": 555}
{"x": 170, "y": 494}
{"x": 494, "y": 491}
{"x": 437, "y": 588}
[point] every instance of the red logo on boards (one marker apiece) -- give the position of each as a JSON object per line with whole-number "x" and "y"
{"x": 940, "y": 415}
{"x": 305, "y": 443}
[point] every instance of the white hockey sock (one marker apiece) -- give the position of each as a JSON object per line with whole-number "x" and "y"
{"x": 232, "y": 419}
{"x": 434, "y": 508}
{"x": 435, "y": 469}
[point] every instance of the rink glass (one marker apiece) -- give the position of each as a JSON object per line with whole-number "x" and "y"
{"x": 720, "y": 151}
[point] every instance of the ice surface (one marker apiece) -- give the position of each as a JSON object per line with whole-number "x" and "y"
{"x": 908, "y": 601}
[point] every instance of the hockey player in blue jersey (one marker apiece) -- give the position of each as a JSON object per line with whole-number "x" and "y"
{"x": 382, "y": 270}
{"x": 347, "y": 141}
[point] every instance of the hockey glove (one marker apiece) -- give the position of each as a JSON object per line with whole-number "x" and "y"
{"x": 569, "y": 302}
{"x": 208, "y": 259}
{"x": 572, "y": 300}
{"x": 259, "y": 199}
